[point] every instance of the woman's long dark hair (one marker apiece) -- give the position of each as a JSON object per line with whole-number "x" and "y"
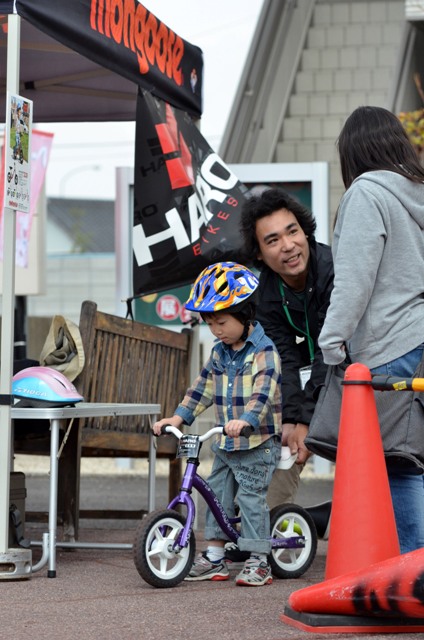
{"x": 374, "y": 139}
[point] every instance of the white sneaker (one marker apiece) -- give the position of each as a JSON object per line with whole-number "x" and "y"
{"x": 254, "y": 574}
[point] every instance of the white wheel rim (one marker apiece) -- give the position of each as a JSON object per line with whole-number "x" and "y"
{"x": 162, "y": 561}
{"x": 292, "y": 559}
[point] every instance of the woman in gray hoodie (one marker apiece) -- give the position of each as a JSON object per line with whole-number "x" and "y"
{"x": 377, "y": 304}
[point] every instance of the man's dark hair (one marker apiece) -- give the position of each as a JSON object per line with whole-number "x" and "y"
{"x": 259, "y": 206}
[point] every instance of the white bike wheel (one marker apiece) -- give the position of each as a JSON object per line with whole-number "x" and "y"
{"x": 292, "y": 521}
{"x": 154, "y": 556}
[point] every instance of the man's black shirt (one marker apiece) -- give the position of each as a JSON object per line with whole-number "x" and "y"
{"x": 298, "y": 404}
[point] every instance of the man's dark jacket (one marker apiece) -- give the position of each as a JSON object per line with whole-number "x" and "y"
{"x": 298, "y": 404}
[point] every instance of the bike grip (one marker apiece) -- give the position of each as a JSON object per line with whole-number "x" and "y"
{"x": 246, "y": 432}
{"x": 396, "y": 383}
{"x": 418, "y": 384}
{"x": 163, "y": 429}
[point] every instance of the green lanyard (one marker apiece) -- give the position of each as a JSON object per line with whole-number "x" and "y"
{"x": 305, "y": 333}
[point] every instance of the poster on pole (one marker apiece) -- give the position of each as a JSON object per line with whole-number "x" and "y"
{"x": 41, "y": 143}
{"x": 17, "y": 174}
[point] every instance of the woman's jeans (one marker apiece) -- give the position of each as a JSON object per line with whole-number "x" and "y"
{"x": 407, "y": 489}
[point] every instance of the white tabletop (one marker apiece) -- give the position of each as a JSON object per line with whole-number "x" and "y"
{"x": 84, "y": 410}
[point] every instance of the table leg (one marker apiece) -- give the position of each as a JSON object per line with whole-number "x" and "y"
{"x": 152, "y": 470}
{"x": 54, "y": 464}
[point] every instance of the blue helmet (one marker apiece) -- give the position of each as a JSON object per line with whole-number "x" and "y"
{"x": 43, "y": 387}
{"x": 222, "y": 286}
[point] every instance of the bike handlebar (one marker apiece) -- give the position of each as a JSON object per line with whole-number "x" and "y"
{"x": 246, "y": 432}
{"x": 395, "y": 383}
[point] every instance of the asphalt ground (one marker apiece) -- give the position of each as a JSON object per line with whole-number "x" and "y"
{"x": 98, "y": 594}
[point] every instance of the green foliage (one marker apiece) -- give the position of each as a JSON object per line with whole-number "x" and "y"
{"x": 413, "y": 123}
{"x": 80, "y": 239}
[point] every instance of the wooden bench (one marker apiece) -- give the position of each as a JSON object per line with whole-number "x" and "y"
{"x": 125, "y": 361}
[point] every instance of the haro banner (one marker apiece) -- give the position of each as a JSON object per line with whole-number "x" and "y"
{"x": 17, "y": 175}
{"x": 187, "y": 201}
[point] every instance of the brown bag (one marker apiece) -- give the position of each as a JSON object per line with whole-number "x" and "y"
{"x": 63, "y": 349}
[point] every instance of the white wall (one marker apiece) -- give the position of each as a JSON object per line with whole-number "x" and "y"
{"x": 57, "y": 241}
{"x": 73, "y": 278}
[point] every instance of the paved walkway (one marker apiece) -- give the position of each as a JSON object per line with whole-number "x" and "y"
{"x": 98, "y": 594}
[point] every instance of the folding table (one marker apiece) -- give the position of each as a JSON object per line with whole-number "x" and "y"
{"x": 81, "y": 410}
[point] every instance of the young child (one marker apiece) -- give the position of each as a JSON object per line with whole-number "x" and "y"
{"x": 19, "y": 126}
{"x": 242, "y": 380}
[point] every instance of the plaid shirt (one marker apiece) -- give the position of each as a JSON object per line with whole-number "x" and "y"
{"x": 242, "y": 385}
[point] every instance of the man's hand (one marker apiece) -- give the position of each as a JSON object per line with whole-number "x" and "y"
{"x": 296, "y": 443}
{"x": 288, "y": 428}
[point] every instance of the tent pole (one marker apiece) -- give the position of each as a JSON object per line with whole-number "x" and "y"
{"x": 8, "y": 304}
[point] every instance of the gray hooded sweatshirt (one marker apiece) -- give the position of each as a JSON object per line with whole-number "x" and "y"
{"x": 377, "y": 304}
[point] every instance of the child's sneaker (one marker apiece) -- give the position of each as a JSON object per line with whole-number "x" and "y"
{"x": 255, "y": 574}
{"x": 204, "y": 569}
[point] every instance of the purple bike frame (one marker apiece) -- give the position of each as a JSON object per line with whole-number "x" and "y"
{"x": 192, "y": 480}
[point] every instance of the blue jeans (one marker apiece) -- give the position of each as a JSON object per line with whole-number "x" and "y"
{"x": 407, "y": 490}
{"x": 244, "y": 475}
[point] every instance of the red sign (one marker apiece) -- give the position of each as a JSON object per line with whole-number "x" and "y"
{"x": 168, "y": 307}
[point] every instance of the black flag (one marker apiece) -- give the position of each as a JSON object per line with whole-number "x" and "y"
{"x": 187, "y": 201}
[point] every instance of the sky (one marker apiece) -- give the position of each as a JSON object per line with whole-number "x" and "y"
{"x": 84, "y": 156}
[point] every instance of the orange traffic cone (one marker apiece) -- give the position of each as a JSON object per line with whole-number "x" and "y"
{"x": 387, "y": 597}
{"x": 363, "y": 528}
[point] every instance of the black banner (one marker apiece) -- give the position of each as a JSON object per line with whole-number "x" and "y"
{"x": 186, "y": 200}
{"x": 6, "y": 6}
{"x": 122, "y": 35}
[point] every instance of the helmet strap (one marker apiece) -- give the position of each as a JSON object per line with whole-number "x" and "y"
{"x": 245, "y": 333}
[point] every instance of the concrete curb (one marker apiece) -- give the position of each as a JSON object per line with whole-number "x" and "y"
{"x": 40, "y": 466}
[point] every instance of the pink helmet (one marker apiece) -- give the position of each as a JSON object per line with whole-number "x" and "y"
{"x": 43, "y": 387}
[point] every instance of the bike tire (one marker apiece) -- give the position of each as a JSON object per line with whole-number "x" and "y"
{"x": 292, "y": 520}
{"x": 154, "y": 558}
